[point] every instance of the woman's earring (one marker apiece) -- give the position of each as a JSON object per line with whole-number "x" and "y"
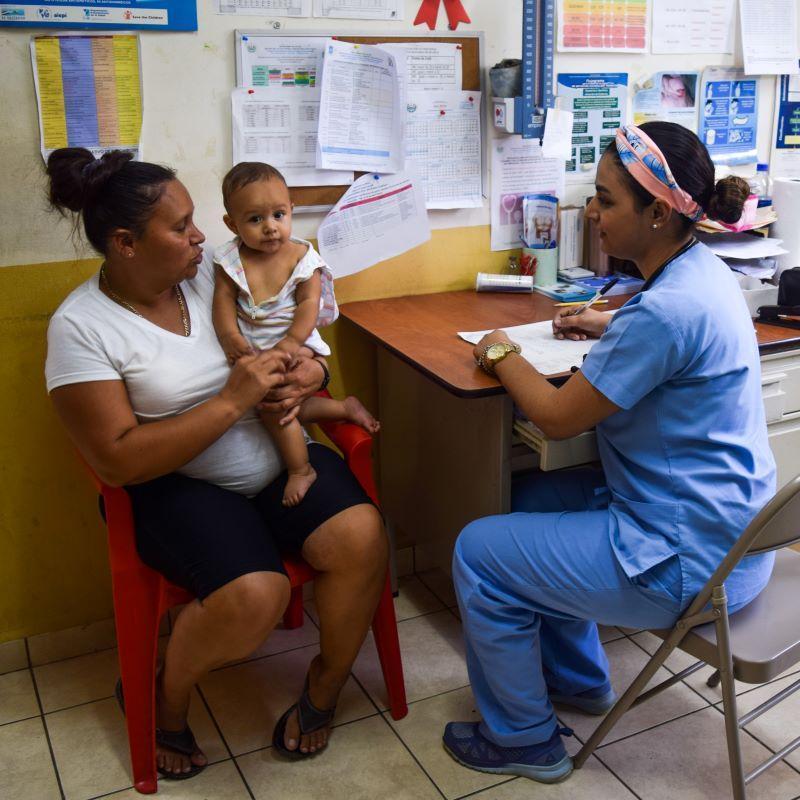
{"x": 130, "y": 252}
{"x": 655, "y": 226}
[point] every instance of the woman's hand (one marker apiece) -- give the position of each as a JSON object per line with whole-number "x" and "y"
{"x": 302, "y": 380}
{"x": 490, "y": 338}
{"x": 254, "y": 376}
{"x": 590, "y": 323}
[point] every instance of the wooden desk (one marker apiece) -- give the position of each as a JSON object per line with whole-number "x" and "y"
{"x": 445, "y": 461}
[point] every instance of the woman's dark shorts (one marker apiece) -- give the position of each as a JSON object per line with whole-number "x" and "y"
{"x": 201, "y": 537}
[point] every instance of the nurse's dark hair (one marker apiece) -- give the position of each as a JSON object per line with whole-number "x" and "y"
{"x": 110, "y": 192}
{"x": 693, "y": 170}
{"x": 244, "y": 173}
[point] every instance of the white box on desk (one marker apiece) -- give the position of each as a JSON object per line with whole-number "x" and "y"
{"x": 765, "y": 296}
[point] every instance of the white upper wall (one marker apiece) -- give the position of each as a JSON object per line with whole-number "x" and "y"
{"x": 187, "y": 81}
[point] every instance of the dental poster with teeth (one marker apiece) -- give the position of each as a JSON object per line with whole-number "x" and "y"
{"x": 729, "y": 115}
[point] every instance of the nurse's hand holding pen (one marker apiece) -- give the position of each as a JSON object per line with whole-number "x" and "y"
{"x": 589, "y": 323}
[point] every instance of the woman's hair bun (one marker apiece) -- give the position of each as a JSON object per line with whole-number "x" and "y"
{"x": 728, "y": 199}
{"x": 76, "y": 175}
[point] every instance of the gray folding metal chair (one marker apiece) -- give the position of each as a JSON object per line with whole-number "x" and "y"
{"x": 753, "y": 645}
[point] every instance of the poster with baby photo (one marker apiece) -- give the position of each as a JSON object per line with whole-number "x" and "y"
{"x": 668, "y": 96}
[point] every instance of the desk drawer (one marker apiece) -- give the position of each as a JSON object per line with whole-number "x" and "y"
{"x": 780, "y": 372}
{"x": 784, "y": 440}
{"x": 553, "y": 454}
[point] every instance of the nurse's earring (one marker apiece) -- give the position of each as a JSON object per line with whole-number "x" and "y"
{"x": 654, "y": 226}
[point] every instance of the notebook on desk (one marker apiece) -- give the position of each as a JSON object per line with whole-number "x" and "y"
{"x": 540, "y": 348}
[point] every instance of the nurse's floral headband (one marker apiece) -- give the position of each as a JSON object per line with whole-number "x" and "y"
{"x": 648, "y": 167}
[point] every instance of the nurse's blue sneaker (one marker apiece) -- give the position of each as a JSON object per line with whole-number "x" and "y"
{"x": 593, "y": 701}
{"x": 546, "y": 762}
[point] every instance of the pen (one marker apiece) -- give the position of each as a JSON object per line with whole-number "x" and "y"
{"x": 580, "y": 303}
{"x": 598, "y": 294}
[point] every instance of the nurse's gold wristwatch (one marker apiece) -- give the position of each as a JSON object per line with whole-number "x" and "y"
{"x": 494, "y": 353}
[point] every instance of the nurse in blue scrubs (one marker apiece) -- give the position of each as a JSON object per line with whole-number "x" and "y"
{"x": 673, "y": 389}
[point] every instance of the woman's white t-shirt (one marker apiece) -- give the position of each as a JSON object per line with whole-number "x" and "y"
{"x": 92, "y": 338}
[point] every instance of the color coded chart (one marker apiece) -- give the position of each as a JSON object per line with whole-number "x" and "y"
{"x": 606, "y": 25}
{"x": 89, "y": 91}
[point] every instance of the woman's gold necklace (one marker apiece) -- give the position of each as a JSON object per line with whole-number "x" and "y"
{"x": 187, "y": 329}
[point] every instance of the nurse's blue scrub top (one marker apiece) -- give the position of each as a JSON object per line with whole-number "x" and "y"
{"x": 686, "y": 459}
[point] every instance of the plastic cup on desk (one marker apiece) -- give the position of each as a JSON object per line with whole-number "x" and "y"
{"x": 542, "y": 263}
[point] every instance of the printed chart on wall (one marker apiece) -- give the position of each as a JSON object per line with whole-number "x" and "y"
{"x": 668, "y": 96}
{"x": 728, "y": 115}
{"x": 276, "y": 112}
{"x": 606, "y": 25}
{"x": 785, "y": 160}
{"x": 88, "y": 92}
{"x": 693, "y": 26}
{"x": 166, "y": 15}
{"x": 598, "y": 102}
{"x": 269, "y": 8}
{"x": 390, "y": 10}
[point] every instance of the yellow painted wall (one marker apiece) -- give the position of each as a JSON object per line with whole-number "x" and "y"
{"x": 53, "y": 564}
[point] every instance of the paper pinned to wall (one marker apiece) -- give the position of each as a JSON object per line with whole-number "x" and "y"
{"x": 281, "y": 61}
{"x": 620, "y": 26}
{"x": 668, "y": 96}
{"x": 88, "y": 92}
{"x": 540, "y": 348}
{"x": 519, "y": 168}
{"x": 379, "y": 217}
{"x": 360, "y": 9}
{"x": 598, "y": 101}
{"x": 693, "y": 26}
{"x": 729, "y": 115}
{"x": 278, "y": 125}
{"x": 268, "y": 8}
{"x": 429, "y": 66}
{"x": 785, "y": 159}
{"x": 769, "y": 37}
{"x": 443, "y": 147}
{"x": 360, "y": 126}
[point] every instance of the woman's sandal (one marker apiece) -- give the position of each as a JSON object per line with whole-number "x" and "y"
{"x": 182, "y": 742}
{"x": 310, "y": 719}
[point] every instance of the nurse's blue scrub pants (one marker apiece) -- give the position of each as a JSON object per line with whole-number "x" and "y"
{"x": 531, "y": 586}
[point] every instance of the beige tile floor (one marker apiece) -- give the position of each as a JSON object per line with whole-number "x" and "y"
{"x": 62, "y": 736}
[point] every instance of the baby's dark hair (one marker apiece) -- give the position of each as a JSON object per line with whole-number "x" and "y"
{"x": 245, "y": 173}
{"x": 108, "y": 192}
{"x": 693, "y": 170}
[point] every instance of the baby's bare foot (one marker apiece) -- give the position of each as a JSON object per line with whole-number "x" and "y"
{"x": 298, "y": 484}
{"x": 359, "y": 415}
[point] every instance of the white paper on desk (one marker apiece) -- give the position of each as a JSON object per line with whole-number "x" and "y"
{"x": 742, "y": 246}
{"x": 769, "y": 37}
{"x": 278, "y": 125}
{"x": 360, "y": 126}
{"x": 379, "y": 217}
{"x": 693, "y": 26}
{"x": 360, "y": 9}
{"x": 763, "y": 268}
{"x": 281, "y": 62}
{"x": 269, "y": 8}
{"x": 443, "y": 147}
{"x": 540, "y": 348}
{"x": 428, "y": 66}
{"x": 519, "y": 168}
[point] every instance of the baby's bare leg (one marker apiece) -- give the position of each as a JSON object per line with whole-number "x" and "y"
{"x": 291, "y": 443}
{"x": 326, "y": 409}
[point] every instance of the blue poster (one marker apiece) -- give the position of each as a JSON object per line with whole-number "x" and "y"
{"x": 729, "y": 115}
{"x": 152, "y": 15}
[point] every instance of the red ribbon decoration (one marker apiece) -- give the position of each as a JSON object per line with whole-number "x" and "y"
{"x": 429, "y": 11}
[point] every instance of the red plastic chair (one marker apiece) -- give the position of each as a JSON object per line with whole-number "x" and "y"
{"x": 142, "y": 596}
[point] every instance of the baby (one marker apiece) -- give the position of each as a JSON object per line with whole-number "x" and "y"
{"x": 280, "y": 289}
